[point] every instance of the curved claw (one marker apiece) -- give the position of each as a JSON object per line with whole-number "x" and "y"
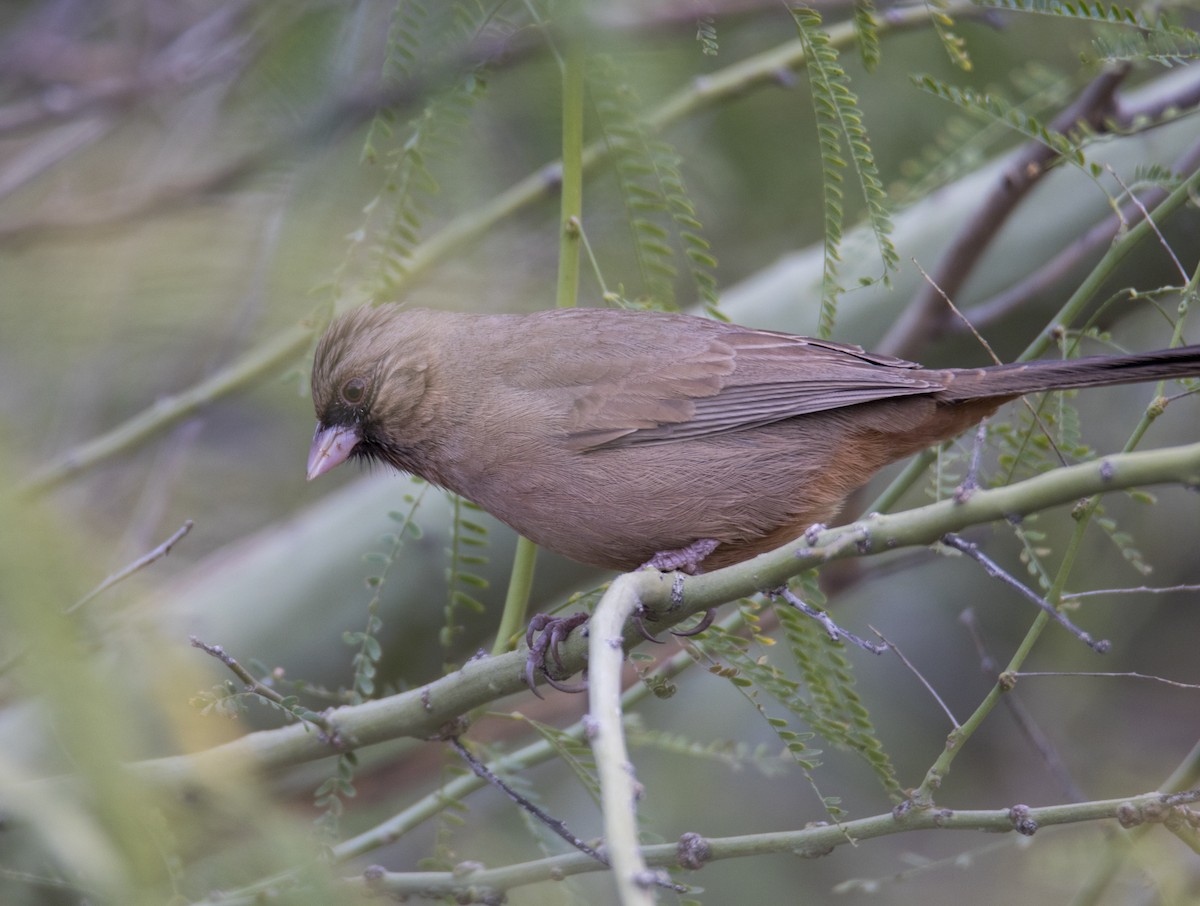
{"x": 645, "y": 633}
{"x": 554, "y": 631}
{"x": 565, "y": 687}
{"x": 705, "y": 622}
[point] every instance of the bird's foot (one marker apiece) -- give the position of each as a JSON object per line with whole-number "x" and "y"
{"x": 684, "y": 560}
{"x": 543, "y": 648}
{"x": 836, "y": 632}
{"x": 640, "y": 616}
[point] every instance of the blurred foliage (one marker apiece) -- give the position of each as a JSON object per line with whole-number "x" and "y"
{"x": 188, "y": 187}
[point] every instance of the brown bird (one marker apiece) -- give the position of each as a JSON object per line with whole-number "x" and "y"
{"x": 620, "y": 438}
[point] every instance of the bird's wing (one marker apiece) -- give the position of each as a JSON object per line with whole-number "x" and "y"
{"x": 733, "y": 380}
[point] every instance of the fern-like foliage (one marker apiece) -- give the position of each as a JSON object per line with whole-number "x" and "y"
{"x": 952, "y": 41}
{"x": 330, "y": 797}
{"x": 840, "y": 130}
{"x": 1154, "y": 175}
{"x": 1143, "y": 39}
{"x": 1038, "y": 439}
{"x": 706, "y": 36}
{"x": 961, "y": 145}
{"x": 366, "y": 641}
{"x": 422, "y": 39}
{"x": 575, "y": 753}
{"x": 992, "y": 106}
{"x": 1122, "y": 540}
{"x": 1106, "y": 13}
{"x": 834, "y": 709}
{"x": 661, "y": 213}
{"x": 734, "y": 755}
{"x": 866, "y": 30}
{"x": 947, "y": 473}
{"x": 409, "y": 181}
{"x": 728, "y": 656}
{"x": 467, "y": 550}
{"x": 1033, "y": 552}
{"x": 823, "y": 698}
{"x": 1175, "y": 47}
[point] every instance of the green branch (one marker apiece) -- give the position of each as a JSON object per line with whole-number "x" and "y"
{"x": 422, "y": 712}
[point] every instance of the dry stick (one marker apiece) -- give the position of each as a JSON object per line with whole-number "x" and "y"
{"x": 140, "y": 563}
{"x": 925, "y": 317}
{"x": 256, "y": 687}
{"x": 1129, "y": 674}
{"x": 1140, "y": 590}
{"x": 835, "y": 632}
{"x": 555, "y": 824}
{"x": 917, "y": 673}
{"x": 994, "y": 570}
{"x": 1145, "y": 215}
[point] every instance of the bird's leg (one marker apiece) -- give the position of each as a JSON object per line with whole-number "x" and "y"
{"x": 554, "y": 631}
{"x": 835, "y": 631}
{"x": 684, "y": 560}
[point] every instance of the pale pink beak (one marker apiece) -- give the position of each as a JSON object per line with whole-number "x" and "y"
{"x": 330, "y": 447}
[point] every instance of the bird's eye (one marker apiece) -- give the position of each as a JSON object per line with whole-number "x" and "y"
{"x": 354, "y": 390}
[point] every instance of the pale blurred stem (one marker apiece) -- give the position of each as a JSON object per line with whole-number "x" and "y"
{"x": 618, "y": 785}
{"x": 758, "y": 71}
{"x": 516, "y": 602}
{"x": 1067, "y": 315}
{"x": 260, "y": 363}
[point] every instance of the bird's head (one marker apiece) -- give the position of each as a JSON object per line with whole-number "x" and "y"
{"x": 369, "y": 375}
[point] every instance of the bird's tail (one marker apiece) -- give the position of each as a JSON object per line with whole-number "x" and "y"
{"x": 1067, "y": 374}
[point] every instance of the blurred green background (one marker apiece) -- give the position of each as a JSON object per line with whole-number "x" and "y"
{"x": 183, "y": 183}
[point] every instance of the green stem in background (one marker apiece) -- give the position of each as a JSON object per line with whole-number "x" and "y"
{"x": 262, "y": 362}
{"x": 516, "y": 603}
{"x": 572, "y": 178}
